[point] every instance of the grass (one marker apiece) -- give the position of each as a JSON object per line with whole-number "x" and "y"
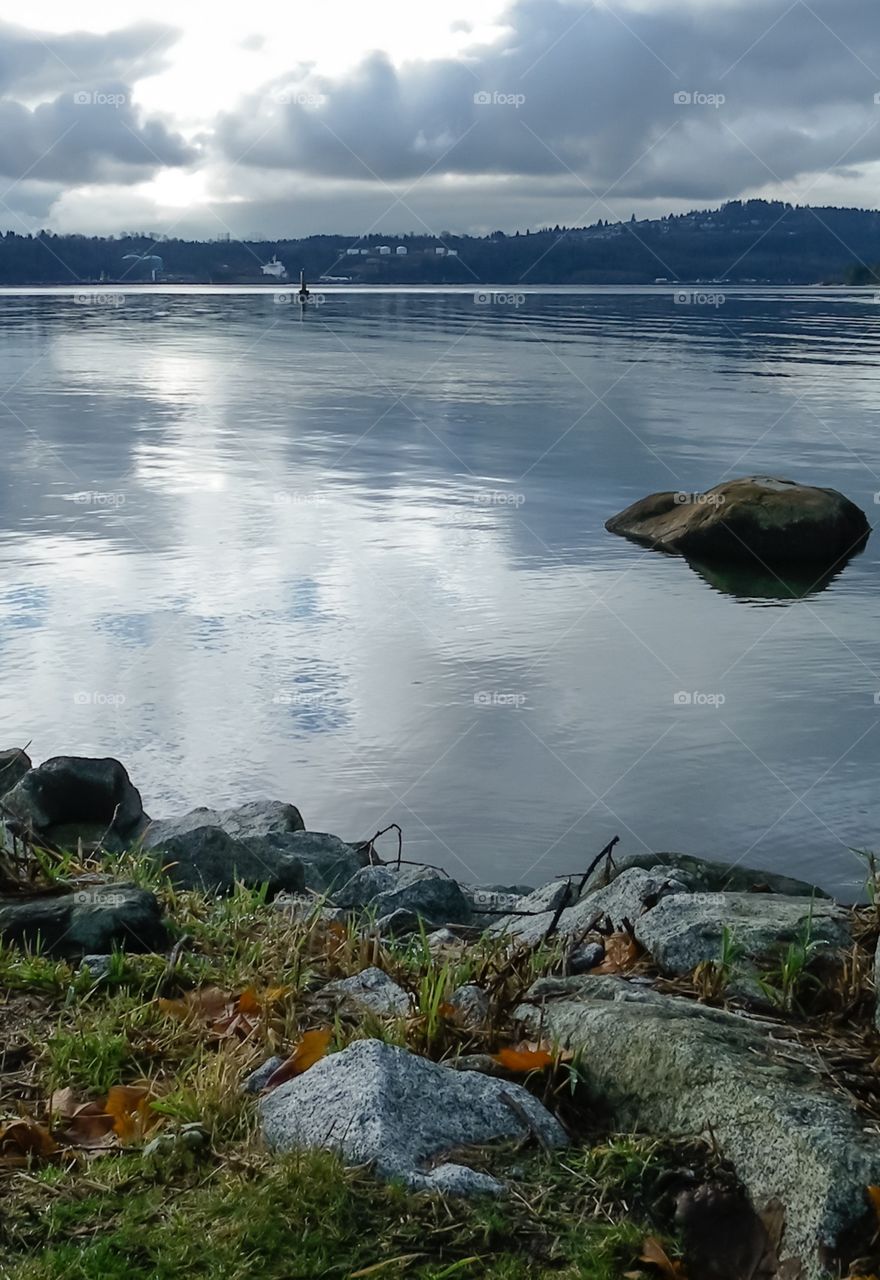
{"x": 233, "y": 1209}
{"x": 308, "y": 1216}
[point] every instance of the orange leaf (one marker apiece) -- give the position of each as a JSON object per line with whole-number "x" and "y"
{"x": 311, "y": 1048}
{"x": 874, "y": 1197}
{"x": 26, "y": 1137}
{"x": 621, "y": 953}
{"x": 525, "y": 1058}
{"x": 654, "y": 1253}
{"x": 249, "y": 1002}
{"x": 131, "y": 1109}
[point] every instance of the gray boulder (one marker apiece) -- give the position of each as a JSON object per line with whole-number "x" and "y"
{"x": 368, "y": 883}
{"x": 260, "y": 1077}
{"x": 666, "y": 1065}
{"x": 89, "y": 921}
{"x": 400, "y": 923}
{"x": 328, "y": 862}
{"x": 378, "y": 1104}
{"x": 371, "y": 991}
{"x": 584, "y": 958}
{"x": 470, "y": 1006}
{"x": 14, "y": 764}
{"x": 625, "y": 899}
{"x": 703, "y": 875}
{"x": 72, "y": 797}
{"x": 207, "y": 859}
{"x": 683, "y": 930}
{"x": 771, "y": 520}
{"x": 434, "y": 896}
{"x": 256, "y": 819}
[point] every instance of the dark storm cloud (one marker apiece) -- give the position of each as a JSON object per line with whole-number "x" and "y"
{"x": 92, "y": 135}
{"x": 591, "y": 88}
{"x": 33, "y": 62}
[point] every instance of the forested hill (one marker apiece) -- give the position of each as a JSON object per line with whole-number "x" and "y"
{"x": 753, "y": 241}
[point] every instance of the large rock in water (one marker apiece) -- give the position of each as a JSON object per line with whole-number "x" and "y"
{"x": 666, "y": 1065}
{"x": 69, "y": 797}
{"x": 378, "y": 1104}
{"x": 759, "y": 517}
{"x": 705, "y": 875}
{"x": 92, "y": 920}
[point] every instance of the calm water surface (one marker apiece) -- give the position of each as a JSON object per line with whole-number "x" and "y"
{"x": 356, "y": 559}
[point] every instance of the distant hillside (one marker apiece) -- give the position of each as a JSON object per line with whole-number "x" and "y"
{"x": 753, "y": 241}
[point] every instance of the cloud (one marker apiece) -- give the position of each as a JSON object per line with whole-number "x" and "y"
{"x": 772, "y": 93}
{"x": 33, "y": 62}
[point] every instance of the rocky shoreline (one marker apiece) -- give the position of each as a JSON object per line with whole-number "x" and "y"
{"x": 695, "y": 999}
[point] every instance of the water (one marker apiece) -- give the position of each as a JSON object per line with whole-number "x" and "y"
{"x": 356, "y": 559}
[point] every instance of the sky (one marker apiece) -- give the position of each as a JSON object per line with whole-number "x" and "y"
{"x": 271, "y": 121}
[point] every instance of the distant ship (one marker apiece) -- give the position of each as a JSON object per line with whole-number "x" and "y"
{"x": 274, "y": 269}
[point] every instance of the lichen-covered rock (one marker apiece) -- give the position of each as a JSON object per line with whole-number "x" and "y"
{"x": 372, "y": 991}
{"x": 77, "y": 796}
{"x": 759, "y": 517}
{"x": 469, "y": 1005}
{"x": 90, "y": 921}
{"x": 368, "y": 883}
{"x": 625, "y": 899}
{"x": 666, "y": 1065}
{"x": 378, "y": 1104}
{"x": 704, "y": 875}
{"x": 683, "y": 930}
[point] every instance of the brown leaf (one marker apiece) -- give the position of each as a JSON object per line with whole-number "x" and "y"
{"x": 654, "y": 1253}
{"x": 621, "y": 953}
{"x": 525, "y": 1057}
{"x": 207, "y": 1004}
{"x": 26, "y": 1137}
{"x": 311, "y": 1048}
{"x": 90, "y": 1126}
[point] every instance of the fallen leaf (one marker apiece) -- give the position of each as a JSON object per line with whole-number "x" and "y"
{"x": 206, "y": 1004}
{"x": 63, "y": 1103}
{"x": 654, "y": 1253}
{"x": 131, "y": 1109}
{"x": 312, "y": 1047}
{"x": 89, "y": 1126}
{"x": 26, "y": 1137}
{"x": 621, "y": 953}
{"x": 874, "y": 1197}
{"x": 524, "y": 1058}
{"x": 249, "y": 1002}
